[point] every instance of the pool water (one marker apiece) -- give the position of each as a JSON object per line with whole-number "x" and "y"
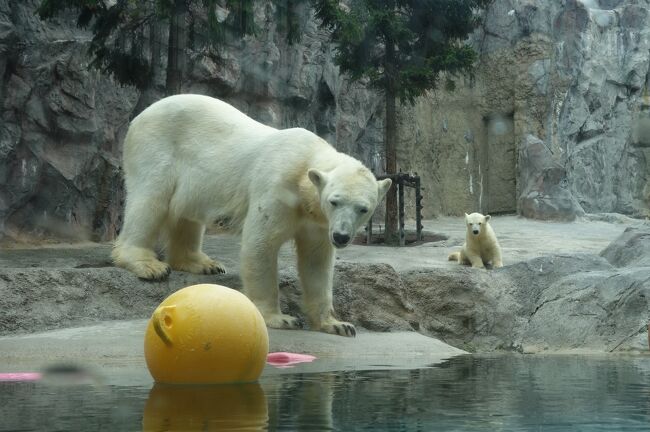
{"x": 467, "y": 393}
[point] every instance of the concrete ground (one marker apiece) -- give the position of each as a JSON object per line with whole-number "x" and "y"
{"x": 521, "y": 239}
{"x": 115, "y": 347}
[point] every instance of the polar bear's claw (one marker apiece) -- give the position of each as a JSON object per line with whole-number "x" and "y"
{"x": 214, "y": 268}
{"x": 198, "y": 263}
{"x": 340, "y": 328}
{"x": 282, "y": 321}
{"x": 154, "y": 271}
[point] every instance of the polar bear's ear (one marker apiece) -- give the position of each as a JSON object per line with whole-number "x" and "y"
{"x": 383, "y": 186}
{"x": 487, "y": 218}
{"x": 466, "y": 216}
{"x": 318, "y": 178}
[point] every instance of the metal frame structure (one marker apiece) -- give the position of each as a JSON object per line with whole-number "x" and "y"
{"x": 401, "y": 180}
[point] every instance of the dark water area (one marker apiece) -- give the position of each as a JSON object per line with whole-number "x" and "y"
{"x": 468, "y": 393}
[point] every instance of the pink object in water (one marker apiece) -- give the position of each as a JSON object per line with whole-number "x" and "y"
{"x": 286, "y": 359}
{"x": 20, "y": 376}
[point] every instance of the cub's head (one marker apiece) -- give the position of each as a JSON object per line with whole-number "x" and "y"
{"x": 476, "y": 222}
{"x": 348, "y": 197}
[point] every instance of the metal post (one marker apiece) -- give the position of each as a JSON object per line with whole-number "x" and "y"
{"x": 418, "y": 208}
{"x": 400, "y": 198}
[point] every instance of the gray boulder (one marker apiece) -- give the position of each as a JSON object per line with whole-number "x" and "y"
{"x": 631, "y": 249}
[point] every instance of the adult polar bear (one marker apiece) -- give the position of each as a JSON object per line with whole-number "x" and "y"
{"x": 190, "y": 160}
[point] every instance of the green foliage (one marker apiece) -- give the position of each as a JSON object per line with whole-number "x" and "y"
{"x": 51, "y": 8}
{"x": 117, "y": 46}
{"x": 215, "y": 30}
{"x": 287, "y": 20}
{"x": 121, "y": 42}
{"x": 401, "y": 45}
{"x": 241, "y": 17}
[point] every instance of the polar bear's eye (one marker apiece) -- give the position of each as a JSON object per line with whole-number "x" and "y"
{"x": 363, "y": 210}
{"x": 480, "y": 223}
{"x": 334, "y": 203}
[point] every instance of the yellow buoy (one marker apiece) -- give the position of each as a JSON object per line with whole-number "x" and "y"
{"x": 206, "y": 334}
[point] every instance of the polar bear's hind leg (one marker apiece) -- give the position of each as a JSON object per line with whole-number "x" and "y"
{"x": 134, "y": 248}
{"x": 184, "y": 249}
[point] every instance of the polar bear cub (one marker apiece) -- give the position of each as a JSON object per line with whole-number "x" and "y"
{"x": 190, "y": 160}
{"x": 481, "y": 245}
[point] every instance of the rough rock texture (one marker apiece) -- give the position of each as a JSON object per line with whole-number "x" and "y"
{"x": 631, "y": 249}
{"x": 572, "y": 301}
{"x": 60, "y": 130}
{"x": 63, "y": 124}
{"x": 75, "y": 291}
{"x": 380, "y": 305}
{"x": 572, "y": 73}
{"x": 544, "y": 192}
{"x": 550, "y": 303}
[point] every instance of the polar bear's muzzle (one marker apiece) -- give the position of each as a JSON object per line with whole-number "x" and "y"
{"x": 340, "y": 239}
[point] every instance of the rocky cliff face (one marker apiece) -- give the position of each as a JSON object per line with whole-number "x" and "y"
{"x": 63, "y": 124}
{"x": 571, "y": 74}
{"x": 60, "y": 130}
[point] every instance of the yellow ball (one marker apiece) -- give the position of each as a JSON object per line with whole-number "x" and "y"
{"x": 206, "y": 334}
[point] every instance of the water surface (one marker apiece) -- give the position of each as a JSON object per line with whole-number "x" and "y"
{"x": 467, "y": 393}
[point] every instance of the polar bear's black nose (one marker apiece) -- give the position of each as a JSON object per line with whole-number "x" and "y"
{"x": 340, "y": 238}
{"x": 475, "y": 231}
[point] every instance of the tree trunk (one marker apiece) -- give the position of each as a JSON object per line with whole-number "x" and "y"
{"x": 390, "y": 137}
{"x": 152, "y": 92}
{"x": 176, "y": 47}
{"x": 390, "y": 143}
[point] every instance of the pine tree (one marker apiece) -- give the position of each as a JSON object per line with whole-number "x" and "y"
{"x": 126, "y": 41}
{"x": 402, "y": 48}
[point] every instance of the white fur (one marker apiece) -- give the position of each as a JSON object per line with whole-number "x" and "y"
{"x": 190, "y": 160}
{"x": 481, "y": 245}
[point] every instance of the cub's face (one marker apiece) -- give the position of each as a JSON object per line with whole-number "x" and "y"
{"x": 476, "y": 223}
{"x": 348, "y": 198}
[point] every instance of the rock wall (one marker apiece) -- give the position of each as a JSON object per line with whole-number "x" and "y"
{"x": 571, "y": 74}
{"x": 60, "y": 130}
{"x": 63, "y": 124}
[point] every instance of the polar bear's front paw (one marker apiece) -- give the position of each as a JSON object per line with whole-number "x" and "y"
{"x": 339, "y": 328}
{"x": 151, "y": 270}
{"x": 199, "y": 264}
{"x": 282, "y": 321}
{"x": 209, "y": 266}
{"x": 477, "y": 263}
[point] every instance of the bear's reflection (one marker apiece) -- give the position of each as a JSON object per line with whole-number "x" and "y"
{"x": 301, "y": 401}
{"x": 205, "y": 408}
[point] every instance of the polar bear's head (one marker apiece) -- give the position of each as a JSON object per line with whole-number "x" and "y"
{"x": 348, "y": 196}
{"x": 476, "y": 222}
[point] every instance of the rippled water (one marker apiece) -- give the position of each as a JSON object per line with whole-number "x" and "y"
{"x": 503, "y": 393}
